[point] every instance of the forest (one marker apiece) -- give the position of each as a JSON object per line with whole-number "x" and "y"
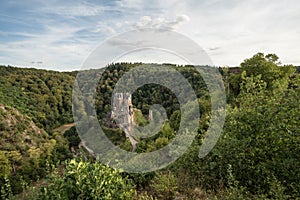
{"x": 256, "y": 157}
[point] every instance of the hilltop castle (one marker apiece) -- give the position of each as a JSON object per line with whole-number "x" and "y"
{"x": 122, "y": 112}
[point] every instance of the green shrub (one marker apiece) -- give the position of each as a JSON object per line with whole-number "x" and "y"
{"x": 83, "y": 180}
{"x": 164, "y": 185}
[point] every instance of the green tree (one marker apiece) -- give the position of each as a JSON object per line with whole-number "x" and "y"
{"x": 270, "y": 69}
{"x": 261, "y": 139}
{"x": 164, "y": 185}
{"x": 84, "y": 180}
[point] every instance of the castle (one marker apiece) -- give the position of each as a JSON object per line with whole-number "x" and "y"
{"x": 122, "y": 109}
{"x": 122, "y": 112}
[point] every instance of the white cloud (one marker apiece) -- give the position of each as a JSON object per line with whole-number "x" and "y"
{"x": 132, "y": 4}
{"x": 160, "y": 23}
{"x": 144, "y": 22}
{"x": 243, "y": 28}
{"x": 152, "y": 56}
{"x": 72, "y": 10}
{"x": 50, "y": 48}
{"x": 105, "y": 29}
{"x": 183, "y": 18}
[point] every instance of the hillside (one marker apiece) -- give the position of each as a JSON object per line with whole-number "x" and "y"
{"x": 18, "y": 132}
{"x": 43, "y": 95}
{"x": 25, "y": 148}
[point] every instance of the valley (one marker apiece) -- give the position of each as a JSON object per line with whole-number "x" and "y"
{"x": 256, "y": 157}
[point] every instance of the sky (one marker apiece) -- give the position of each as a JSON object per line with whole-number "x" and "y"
{"x": 60, "y": 35}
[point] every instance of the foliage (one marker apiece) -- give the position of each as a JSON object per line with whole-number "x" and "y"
{"x": 267, "y": 141}
{"x": 146, "y": 95}
{"x": 164, "y": 185}
{"x": 25, "y": 149}
{"x": 84, "y": 180}
{"x": 272, "y": 73}
{"x": 72, "y": 136}
{"x": 261, "y": 135}
{"x": 140, "y": 119}
{"x": 43, "y": 95}
{"x": 4, "y": 165}
{"x": 257, "y": 156}
{"x": 5, "y": 189}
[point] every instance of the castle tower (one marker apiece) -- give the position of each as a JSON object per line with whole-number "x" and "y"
{"x": 123, "y": 112}
{"x": 122, "y": 109}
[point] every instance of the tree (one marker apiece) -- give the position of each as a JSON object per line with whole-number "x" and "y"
{"x": 272, "y": 73}
{"x": 261, "y": 140}
{"x": 164, "y": 185}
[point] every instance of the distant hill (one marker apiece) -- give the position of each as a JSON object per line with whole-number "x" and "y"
{"x": 43, "y": 95}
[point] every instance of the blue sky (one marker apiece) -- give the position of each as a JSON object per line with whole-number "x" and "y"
{"x": 60, "y": 35}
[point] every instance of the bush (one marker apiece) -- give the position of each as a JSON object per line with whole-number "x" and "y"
{"x": 84, "y": 180}
{"x": 164, "y": 185}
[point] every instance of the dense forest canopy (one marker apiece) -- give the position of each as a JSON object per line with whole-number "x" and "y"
{"x": 256, "y": 157}
{"x": 43, "y": 95}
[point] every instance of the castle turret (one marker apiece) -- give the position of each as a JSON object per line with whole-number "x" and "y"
{"x": 122, "y": 112}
